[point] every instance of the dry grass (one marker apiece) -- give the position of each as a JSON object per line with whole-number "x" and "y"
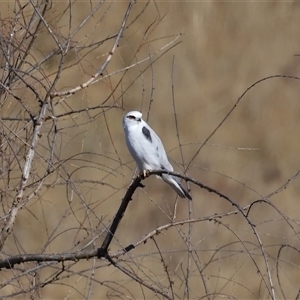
{"x": 223, "y": 49}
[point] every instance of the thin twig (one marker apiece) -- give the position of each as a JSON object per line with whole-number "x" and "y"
{"x": 103, "y": 67}
{"x": 17, "y": 203}
{"x": 233, "y": 108}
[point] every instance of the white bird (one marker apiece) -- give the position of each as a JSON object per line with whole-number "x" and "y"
{"x": 148, "y": 151}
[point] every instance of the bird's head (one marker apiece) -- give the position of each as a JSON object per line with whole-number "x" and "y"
{"x": 132, "y": 118}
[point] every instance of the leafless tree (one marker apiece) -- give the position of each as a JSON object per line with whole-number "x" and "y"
{"x": 68, "y": 72}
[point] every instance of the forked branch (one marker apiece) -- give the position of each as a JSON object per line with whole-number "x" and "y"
{"x": 18, "y": 200}
{"x": 103, "y": 67}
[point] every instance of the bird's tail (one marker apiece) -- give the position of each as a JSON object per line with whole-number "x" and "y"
{"x": 176, "y": 186}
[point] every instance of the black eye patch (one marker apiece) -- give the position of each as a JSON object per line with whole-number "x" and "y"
{"x": 131, "y": 117}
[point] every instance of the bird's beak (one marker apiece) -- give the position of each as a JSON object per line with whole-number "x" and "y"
{"x": 139, "y": 120}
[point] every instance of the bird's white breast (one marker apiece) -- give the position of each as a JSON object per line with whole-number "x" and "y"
{"x": 141, "y": 149}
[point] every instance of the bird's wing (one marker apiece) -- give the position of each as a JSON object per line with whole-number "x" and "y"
{"x": 157, "y": 150}
{"x": 157, "y": 147}
{"x": 176, "y": 185}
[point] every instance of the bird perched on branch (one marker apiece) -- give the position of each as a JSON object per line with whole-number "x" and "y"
{"x": 148, "y": 151}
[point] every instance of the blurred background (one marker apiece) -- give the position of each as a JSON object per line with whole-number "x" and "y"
{"x": 184, "y": 65}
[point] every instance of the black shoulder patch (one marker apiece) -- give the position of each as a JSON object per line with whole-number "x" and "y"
{"x": 147, "y": 134}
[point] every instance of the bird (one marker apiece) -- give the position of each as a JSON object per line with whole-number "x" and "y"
{"x": 148, "y": 151}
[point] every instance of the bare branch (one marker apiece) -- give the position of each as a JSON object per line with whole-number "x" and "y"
{"x": 17, "y": 203}
{"x": 103, "y": 67}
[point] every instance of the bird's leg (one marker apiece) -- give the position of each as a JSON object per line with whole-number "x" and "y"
{"x": 144, "y": 174}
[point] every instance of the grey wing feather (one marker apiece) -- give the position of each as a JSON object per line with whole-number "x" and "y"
{"x": 160, "y": 151}
{"x": 173, "y": 181}
{"x": 183, "y": 190}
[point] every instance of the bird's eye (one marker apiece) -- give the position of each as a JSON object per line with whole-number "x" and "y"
{"x": 131, "y": 117}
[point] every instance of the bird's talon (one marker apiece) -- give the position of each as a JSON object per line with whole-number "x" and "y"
{"x": 144, "y": 174}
